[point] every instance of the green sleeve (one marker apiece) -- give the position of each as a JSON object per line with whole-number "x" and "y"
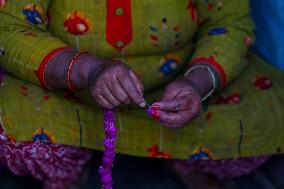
{"x": 24, "y": 41}
{"x": 225, "y": 33}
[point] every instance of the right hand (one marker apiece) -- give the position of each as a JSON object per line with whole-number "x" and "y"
{"x": 114, "y": 83}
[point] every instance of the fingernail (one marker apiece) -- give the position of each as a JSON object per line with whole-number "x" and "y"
{"x": 155, "y": 115}
{"x": 155, "y": 107}
{"x": 142, "y": 104}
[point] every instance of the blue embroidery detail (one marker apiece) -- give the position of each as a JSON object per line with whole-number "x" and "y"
{"x": 153, "y": 29}
{"x": 200, "y": 156}
{"x": 168, "y": 67}
{"x": 218, "y": 31}
{"x": 32, "y": 15}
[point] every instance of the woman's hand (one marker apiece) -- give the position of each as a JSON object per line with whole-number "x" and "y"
{"x": 180, "y": 104}
{"x": 110, "y": 83}
{"x": 113, "y": 83}
{"x": 182, "y": 99}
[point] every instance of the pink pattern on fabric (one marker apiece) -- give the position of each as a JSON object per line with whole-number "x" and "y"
{"x": 57, "y": 166}
{"x": 228, "y": 168}
{"x": 3, "y": 3}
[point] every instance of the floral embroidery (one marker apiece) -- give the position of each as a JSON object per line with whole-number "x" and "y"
{"x": 11, "y": 139}
{"x": 7, "y": 120}
{"x": 210, "y": 5}
{"x": 218, "y": 31}
{"x": 24, "y": 90}
{"x": 169, "y": 64}
{"x": 201, "y": 154}
{"x": 28, "y": 33}
{"x": 262, "y": 82}
{"x": 76, "y": 23}
{"x": 191, "y": 7}
{"x": 154, "y": 37}
{"x": 3, "y": 3}
{"x": 34, "y": 14}
{"x": 208, "y": 116}
{"x": 43, "y": 135}
{"x": 220, "y": 5}
{"x": 233, "y": 98}
{"x": 166, "y": 32}
{"x": 176, "y": 29}
{"x": 248, "y": 41}
{"x": 46, "y": 98}
{"x": 153, "y": 29}
{"x": 154, "y": 152}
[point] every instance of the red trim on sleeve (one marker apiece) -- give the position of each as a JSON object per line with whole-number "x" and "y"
{"x": 40, "y": 72}
{"x": 216, "y": 65}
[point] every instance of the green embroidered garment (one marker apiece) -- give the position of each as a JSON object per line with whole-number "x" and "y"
{"x": 158, "y": 40}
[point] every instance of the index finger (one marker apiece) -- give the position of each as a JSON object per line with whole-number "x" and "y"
{"x": 178, "y": 104}
{"x": 130, "y": 88}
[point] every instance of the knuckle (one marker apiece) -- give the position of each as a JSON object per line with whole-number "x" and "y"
{"x": 164, "y": 97}
{"x": 179, "y": 107}
{"x": 97, "y": 96}
{"x": 116, "y": 103}
{"x": 125, "y": 99}
{"x": 180, "y": 120}
{"x": 109, "y": 76}
{"x": 99, "y": 83}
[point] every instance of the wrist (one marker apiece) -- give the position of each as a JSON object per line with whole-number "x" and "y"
{"x": 82, "y": 69}
{"x": 202, "y": 79}
{"x": 57, "y": 69}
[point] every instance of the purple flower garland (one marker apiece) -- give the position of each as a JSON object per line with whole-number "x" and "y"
{"x": 109, "y": 145}
{"x": 108, "y": 154}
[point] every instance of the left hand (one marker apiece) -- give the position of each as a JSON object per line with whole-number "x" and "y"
{"x": 180, "y": 104}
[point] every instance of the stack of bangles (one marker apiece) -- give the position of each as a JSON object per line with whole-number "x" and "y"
{"x": 43, "y": 66}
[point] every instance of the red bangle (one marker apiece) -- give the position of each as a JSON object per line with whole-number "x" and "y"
{"x": 72, "y": 63}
